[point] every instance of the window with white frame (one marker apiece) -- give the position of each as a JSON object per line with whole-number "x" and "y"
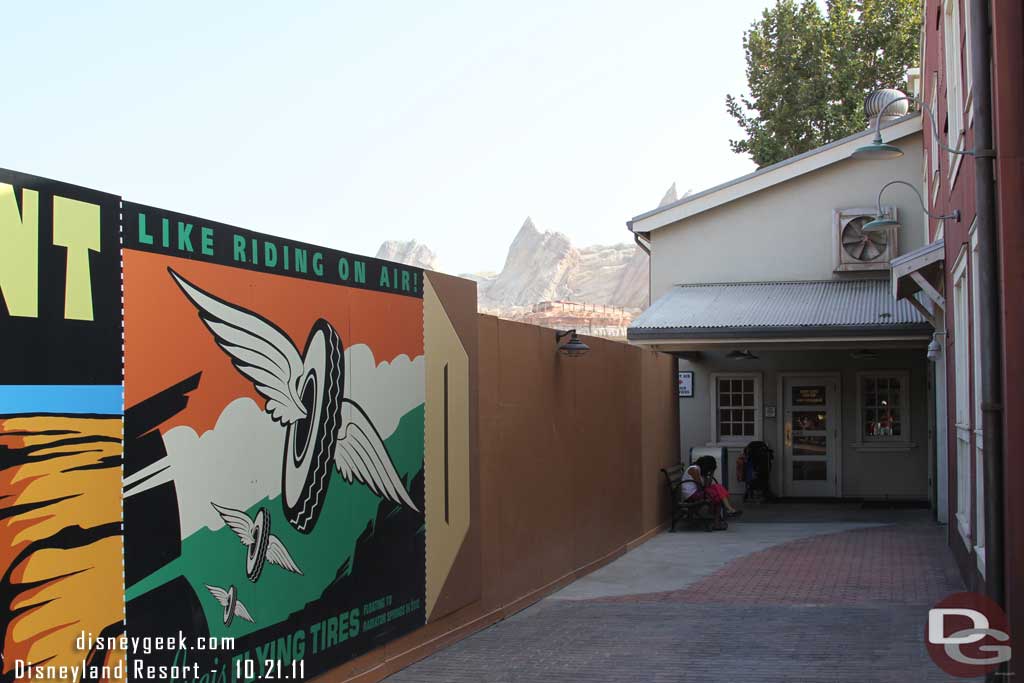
{"x": 961, "y": 361}
{"x": 976, "y": 333}
{"x": 925, "y": 183}
{"x": 979, "y": 532}
{"x": 968, "y": 62}
{"x": 976, "y": 351}
{"x": 933, "y": 137}
{"x": 736, "y": 407}
{"x": 884, "y": 400}
{"x": 954, "y": 77}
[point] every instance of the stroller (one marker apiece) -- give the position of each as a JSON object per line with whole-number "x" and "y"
{"x": 758, "y": 459}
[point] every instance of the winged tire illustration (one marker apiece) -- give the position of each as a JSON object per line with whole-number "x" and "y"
{"x": 260, "y": 545}
{"x": 229, "y": 601}
{"x": 305, "y": 394}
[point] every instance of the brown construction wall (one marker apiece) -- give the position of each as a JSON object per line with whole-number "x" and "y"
{"x": 568, "y": 458}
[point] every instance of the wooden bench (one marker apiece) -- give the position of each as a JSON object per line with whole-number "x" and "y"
{"x": 700, "y": 511}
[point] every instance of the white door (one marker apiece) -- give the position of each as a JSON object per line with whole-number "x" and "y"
{"x": 810, "y": 436}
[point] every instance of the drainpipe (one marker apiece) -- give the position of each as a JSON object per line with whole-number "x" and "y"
{"x": 989, "y": 301}
{"x": 640, "y": 243}
{"x": 646, "y": 246}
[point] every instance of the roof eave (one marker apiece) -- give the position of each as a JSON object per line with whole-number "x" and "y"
{"x": 684, "y": 334}
{"x": 766, "y": 177}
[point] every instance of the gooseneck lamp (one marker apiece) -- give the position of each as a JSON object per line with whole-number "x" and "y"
{"x": 883, "y": 222}
{"x": 878, "y": 149}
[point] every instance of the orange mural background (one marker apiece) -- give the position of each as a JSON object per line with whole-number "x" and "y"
{"x": 165, "y": 341}
{"x": 66, "y": 474}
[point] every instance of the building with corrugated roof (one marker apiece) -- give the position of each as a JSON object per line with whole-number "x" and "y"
{"x": 779, "y": 307}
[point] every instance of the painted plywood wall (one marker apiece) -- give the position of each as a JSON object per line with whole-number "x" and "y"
{"x": 305, "y": 461}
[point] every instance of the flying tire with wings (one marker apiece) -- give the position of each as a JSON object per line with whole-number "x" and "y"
{"x": 261, "y": 546}
{"x": 305, "y": 394}
{"x": 228, "y": 599}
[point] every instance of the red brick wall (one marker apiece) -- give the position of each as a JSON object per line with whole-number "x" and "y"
{"x": 955, "y": 191}
{"x": 959, "y": 193}
{"x": 1008, "y": 112}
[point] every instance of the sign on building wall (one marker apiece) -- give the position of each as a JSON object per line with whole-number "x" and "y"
{"x": 686, "y": 383}
{"x": 219, "y": 440}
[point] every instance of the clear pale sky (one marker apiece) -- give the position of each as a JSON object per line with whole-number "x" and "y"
{"x": 348, "y": 123}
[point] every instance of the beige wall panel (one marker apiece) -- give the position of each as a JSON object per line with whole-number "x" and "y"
{"x": 448, "y": 492}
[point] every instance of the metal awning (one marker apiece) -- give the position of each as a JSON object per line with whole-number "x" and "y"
{"x": 848, "y": 310}
{"x": 921, "y": 270}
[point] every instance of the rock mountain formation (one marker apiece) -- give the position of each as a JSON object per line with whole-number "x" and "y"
{"x": 548, "y": 281}
{"x": 545, "y": 266}
{"x": 411, "y": 253}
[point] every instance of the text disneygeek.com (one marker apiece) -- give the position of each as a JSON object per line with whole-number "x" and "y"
{"x": 135, "y": 647}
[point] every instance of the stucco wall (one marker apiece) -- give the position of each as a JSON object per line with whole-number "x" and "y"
{"x": 871, "y": 473}
{"x": 785, "y": 232}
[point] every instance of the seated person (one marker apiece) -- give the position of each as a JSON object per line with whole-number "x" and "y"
{"x": 715, "y": 493}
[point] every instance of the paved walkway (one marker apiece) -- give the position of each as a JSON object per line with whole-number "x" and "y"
{"x": 790, "y": 593}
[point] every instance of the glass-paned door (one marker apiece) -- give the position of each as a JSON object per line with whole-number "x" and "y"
{"x": 809, "y": 437}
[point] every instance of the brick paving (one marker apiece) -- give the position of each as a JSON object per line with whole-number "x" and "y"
{"x": 572, "y": 641}
{"x": 845, "y": 606}
{"x": 890, "y": 565}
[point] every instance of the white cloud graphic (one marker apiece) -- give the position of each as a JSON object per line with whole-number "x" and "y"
{"x": 386, "y": 391}
{"x": 238, "y": 462}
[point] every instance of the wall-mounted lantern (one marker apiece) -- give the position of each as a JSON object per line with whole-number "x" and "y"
{"x": 934, "y": 347}
{"x": 883, "y": 222}
{"x": 572, "y": 348}
{"x": 878, "y": 149}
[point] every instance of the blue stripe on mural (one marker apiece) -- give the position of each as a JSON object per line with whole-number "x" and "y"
{"x": 61, "y": 399}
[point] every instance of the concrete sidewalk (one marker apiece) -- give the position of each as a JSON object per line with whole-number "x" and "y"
{"x": 774, "y": 598}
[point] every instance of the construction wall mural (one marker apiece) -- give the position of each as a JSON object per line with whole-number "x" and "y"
{"x": 224, "y": 456}
{"x": 274, "y": 428}
{"x": 60, "y": 427}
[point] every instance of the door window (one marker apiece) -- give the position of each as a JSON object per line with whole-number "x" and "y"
{"x": 815, "y": 395}
{"x": 810, "y": 470}
{"x": 808, "y": 428}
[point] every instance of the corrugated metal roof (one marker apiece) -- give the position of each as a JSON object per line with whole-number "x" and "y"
{"x": 800, "y": 306}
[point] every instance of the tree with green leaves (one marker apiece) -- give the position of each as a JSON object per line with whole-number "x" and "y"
{"x": 808, "y": 72}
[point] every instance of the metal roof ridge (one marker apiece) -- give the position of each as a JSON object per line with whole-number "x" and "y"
{"x": 768, "y": 169}
{"x": 779, "y": 282}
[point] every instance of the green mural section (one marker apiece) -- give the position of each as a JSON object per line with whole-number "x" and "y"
{"x": 218, "y": 558}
